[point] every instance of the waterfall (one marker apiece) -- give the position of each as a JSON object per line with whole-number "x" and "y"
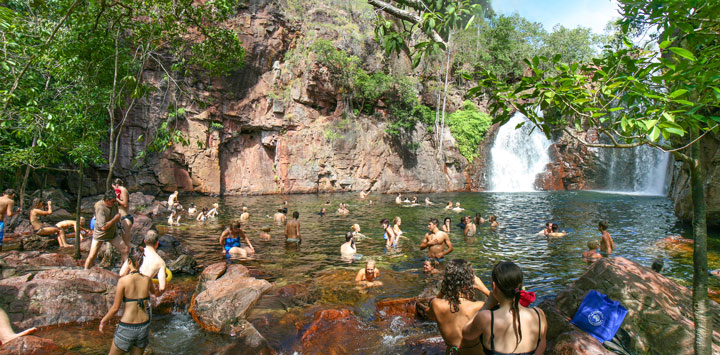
{"x": 642, "y": 170}
{"x": 518, "y": 156}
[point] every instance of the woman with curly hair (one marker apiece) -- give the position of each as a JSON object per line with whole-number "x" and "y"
{"x": 505, "y": 325}
{"x": 456, "y": 305}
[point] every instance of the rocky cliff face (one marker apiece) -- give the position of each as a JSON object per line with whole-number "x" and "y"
{"x": 680, "y": 186}
{"x": 275, "y": 128}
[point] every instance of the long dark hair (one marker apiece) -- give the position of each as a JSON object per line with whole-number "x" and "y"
{"x": 136, "y": 256}
{"x": 508, "y": 278}
{"x": 457, "y": 282}
{"x": 348, "y": 237}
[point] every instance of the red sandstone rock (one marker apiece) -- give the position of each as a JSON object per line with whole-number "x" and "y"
{"x": 221, "y": 304}
{"x": 577, "y": 343}
{"x": 406, "y": 308}
{"x": 175, "y": 298}
{"x": 17, "y": 259}
{"x": 57, "y": 296}
{"x": 659, "y": 310}
{"x": 29, "y": 345}
{"x": 334, "y": 331}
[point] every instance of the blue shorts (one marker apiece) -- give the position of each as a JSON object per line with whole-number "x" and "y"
{"x": 2, "y": 231}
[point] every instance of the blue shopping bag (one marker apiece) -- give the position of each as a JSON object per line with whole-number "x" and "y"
{"x": 600, "y": 316}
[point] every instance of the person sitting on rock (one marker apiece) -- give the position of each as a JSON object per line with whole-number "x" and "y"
{"x": 68, "y": 223}
{"x": 133, "y": 332}
{"x": 455, "y": 305}
{"x": 591, "y": 254}
{"x": 347, "y": 250}
{"x": 279, "y": 216}
{"x": 7, "y": 333}
{"x": 43, "y": 229}
{"x": 607, "y": 245}
{"x": 368, "y": 276}
{"x": 230, "y": 240}
{"x": 265, "y": 235}
{"x": 504, "y": 325}
{"x": 244, "y": 216}
{"x": 153, "y": 264}
{"x": 554, "y": 231}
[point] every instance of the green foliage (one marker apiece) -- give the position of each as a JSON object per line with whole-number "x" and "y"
{"x": 216, "y": 126}
{"x": 468, "y": 126}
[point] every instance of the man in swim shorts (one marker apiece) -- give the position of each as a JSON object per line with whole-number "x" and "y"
{"x": 106, "y": 221}
{"x": 437, "y": 242}
{"x": 292, "y": 229}
{"x": 7, "y": 202}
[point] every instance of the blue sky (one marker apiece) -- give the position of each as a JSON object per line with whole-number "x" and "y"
{"x": 594, "y": 14}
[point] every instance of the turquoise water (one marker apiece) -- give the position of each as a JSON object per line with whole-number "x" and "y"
{"x": 636, "y": 224}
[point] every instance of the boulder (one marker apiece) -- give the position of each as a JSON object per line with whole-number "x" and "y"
{"x": 16, "y": 263}
{"x": 334, "y": 331}
{"x": 141, "y": 225}
{"x": 59, "y": 214}
{"x": 222, "y": 299}
{"x": 176, "y": 298}
{"x": 36, "y": 242}
{"x": 578, "y": 342}
{"x": 659, "y": 318}
{"x": 57, "y": 296}
{"x": 404, "y": 308}
{"x": 247, "y": 341}
{"x": 87, "y": 204}
{"x": 184, "y": 264}
{"x": 60, "y": 200}
{"x": 29, "y": 345}
{"x": 140, "y": 202}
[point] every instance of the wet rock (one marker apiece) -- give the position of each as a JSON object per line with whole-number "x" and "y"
{"x": 58, "y": 215}
{"x": 221, "y": 304}
{"x": 175, "y": 298}
{"x": 57, "y": 296}
{"x": 680, "y": 191}
{"x": 659, "y": 310}
{"x": 247, "y": 341}
{"x": 29, "y": 345}
{"x": 578, "y": 343}
{"x": 36, "y": 242}
{"x": 405, "y": 308}
{"x": 87, "y": 204}
{"x": 425, "y": 346}
{"x": 185, "y": 264}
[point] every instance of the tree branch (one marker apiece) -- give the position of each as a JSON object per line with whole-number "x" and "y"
{"x": 405, "y": 15}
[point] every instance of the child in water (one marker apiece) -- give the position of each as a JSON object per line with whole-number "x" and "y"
{"x": 591, "y": 254}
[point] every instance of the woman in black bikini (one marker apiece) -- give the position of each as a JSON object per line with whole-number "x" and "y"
{"x": 503, "y": 326}
{"x": 133, "y": 332}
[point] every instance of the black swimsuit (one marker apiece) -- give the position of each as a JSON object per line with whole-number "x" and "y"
{"x": 492, "y": 351}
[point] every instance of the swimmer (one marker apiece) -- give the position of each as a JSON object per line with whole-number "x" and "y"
{"x": 172, "y": 199}
{"x": 364, "y": 194}
{"x": 285, "y": 207}
{"x": 347, "y": 250}
{"x": 437, "y": 241}
{"x": 658, "y": 266}
{"x": 245, "y": 216}
{"x": 396, "y": 226}
{"x": 342, "y": 210}
{"x": 370, "y": 202}
{"x": 470, "y": 227}
{"x": 279, "y": 216}
{"x": 203, "y": 215}
{"x": 715, "y": 273}
{"x": 398, "y": 199}
{"x": 449, "y": 205}
{"x": 42, "y": 229}
{"x": 458, "y": 208}
{"x": 265, "y": 235}
{"x": 6, "y": 332}
{"x": 171, "y": 219}
{"x": 192, "y": 209}
{"x": 389, "y": 236}
{"x": 493, "y": 221}
{"x": 430, "y": 267}
{"x": 406, "y": 200}
{"x": 547, "y": 230}
{"x": 292, "y": 229}
{"x": 71, "y": 223}
{"x": 368, "y": 275}
{"x": 414, "y": 200}
{"x": 355, "y": 228}
{"x": 554, "y": 231}
{"x": 230, "y": 240}
{"x": 455, "y": 305}
{"x": 607, "y": 245}
{"x": 322, "y": 212}
{"x": 7, "y": 204}
{"x": 591, "y": 254}
{"x": 152, "y": 265}
{"x": 446, "y": 225}
{"x": 479, "y": 219}
{"x": 428, "y": 202}
{"x": 214, "y": 211}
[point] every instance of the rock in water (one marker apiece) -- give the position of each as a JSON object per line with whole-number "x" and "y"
{"x": 57, "y": 296}
{"x": 223, "y": 298}
{"x": 184, "y": 263}
{"x": 659, "y": 319}
{"x": 30, "y": 345}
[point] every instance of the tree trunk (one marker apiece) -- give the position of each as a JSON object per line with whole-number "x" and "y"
{"x": 447, "y": 74}
{"x": 23, "y": 186}
{"x": 703, "y": 326}
{"x": 77, "y": 214}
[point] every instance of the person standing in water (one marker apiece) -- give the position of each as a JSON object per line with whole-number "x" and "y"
{"x": 607, "y": 245}
{"x": 279, "y": 216}
{"x": 503, "y": 325}
{"x": 446, "y": 225}
{"x": 470, "y": 227}
{"x": 133, "y": 332}
{"x": 292, "y": 230}
{"x": 591, "y": 254}
{"x": 152, "y": 264}
{"x": 398, "y": 199}
{"x": 42, "y": 229}
{"x": 7, "y": 204}
{"x": 389, "y": 236}
{"x": 437, "y": 242}
{"x": 396, "y": 227}
{"x": 244, "y": 216}
{"x": 455, "y": 305}
{"x": 493, "y": 221}
{"x": 172, "y": 199}
{"x": 347, "y": 250}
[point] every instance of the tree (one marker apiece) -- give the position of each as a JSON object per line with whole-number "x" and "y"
{"x": 667, "y": 98}
{"x": 436, "y": 20}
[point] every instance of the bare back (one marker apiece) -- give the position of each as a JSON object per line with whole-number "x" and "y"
{"x": 134, "y": 286}
{"x": 6, "y": 206}
{"x": 292, "y": 229}
{"x": 35, "y": 219}
{"x": 451, "y": 323}
{"x": 152, "y": 264}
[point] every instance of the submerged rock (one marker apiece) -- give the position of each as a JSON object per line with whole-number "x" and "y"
{"x": 334, "y": 331}
{"x": 29, "y": 345}
{"x": 659, "y": 318}
{"x": 57, "y": 296}
{"x": 223, "y": 297}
